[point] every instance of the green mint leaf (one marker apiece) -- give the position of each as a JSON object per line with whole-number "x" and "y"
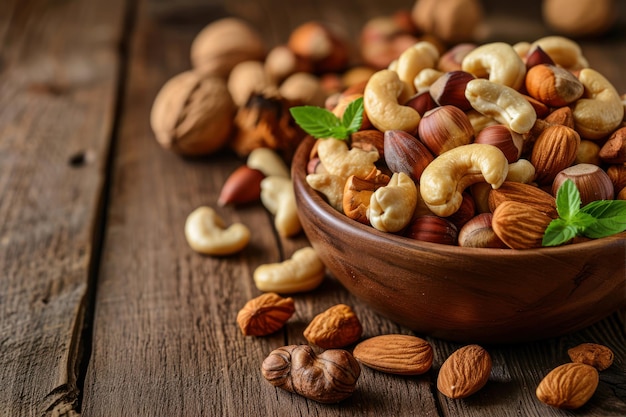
{"x": 558, "y": 232}
{"x": 318, "y": 122}
{"x": 581, "y": 221}
{"x": 353, "y": 116}
{"x": 567, "y": 200}
{"x": 609, "y": 215}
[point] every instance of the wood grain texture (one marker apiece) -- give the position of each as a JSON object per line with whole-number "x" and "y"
{"x": 164, "y": 339}
{"x": 58, "y": 83}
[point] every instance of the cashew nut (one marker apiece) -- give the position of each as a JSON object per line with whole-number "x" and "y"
{"x": 521, "y": 171}
{"x": 497, "y": 60}
{"x": 206, "y": 233}
{"x": 268, "y": 162}
{"x": 600, "y": 111}
{"x": 563, "y": 51}
{"x": 331, "y": 186}
{"x": 444, "y": 179}
{"x": 337, "y": 159}
{"x": 383, "y": 94}
{"x": 391, "y": 207}
{"x": 413, "y": 60}
{"x": 278, "y": 197}
{"x": 425, "y": 78}
{"x": 304, "y": 271}
{"x": 501, "y": 103}
{"x": 339, "y": 163}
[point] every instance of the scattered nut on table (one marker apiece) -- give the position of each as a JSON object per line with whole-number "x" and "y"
{"x": 464, "y": 372}
{"x": 336, "y": 327}
{"x": 265, "y": 314}
{"x": 304, "y": 271}
{"x": 207, "y": 233}
{"x": 328, "y": 377}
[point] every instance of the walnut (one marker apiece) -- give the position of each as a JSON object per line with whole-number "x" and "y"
{"x": 193, "y": 115}
{"x": 329, "y": 377}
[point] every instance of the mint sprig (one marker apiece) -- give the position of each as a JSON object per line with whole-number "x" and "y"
{"x": 597, "y": 219}
{"x": 322, "y": 123}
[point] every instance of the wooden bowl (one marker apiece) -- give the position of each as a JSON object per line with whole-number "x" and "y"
{"x": 459, "y": 294}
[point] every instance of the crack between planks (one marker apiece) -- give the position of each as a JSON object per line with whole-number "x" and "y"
{"x": 85, "y": 341}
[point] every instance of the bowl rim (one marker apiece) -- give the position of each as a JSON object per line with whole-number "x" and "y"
{"x": 340, "y": 221}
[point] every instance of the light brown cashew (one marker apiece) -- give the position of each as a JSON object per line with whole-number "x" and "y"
{"x": 563, "y": 51}
{"x": 268, "y": 162}
{"x": 501, "y": 103}
{"x": 339, "y": 163}
{"x": 497, "y": 60}
{"x": 445, "y": 178}
{"x": 304, "y": 271}
{"x": 425, "y": 78}
{"x": 413, "y": 60}
{"x": 337, "y": 159}
{"x": 383, "y": 94}
{"x": 206, "y": 233}
{"x": 521, "y": 171}
{"x": 278, "y": 197}
{"x": 391, "y": 207}
{"x": 600, "y": 111}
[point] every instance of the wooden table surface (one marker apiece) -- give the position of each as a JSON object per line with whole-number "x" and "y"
{"x": 106, "y": 311}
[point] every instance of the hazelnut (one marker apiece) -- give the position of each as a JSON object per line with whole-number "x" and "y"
{"x": 319, "y": 45}
{"x": 431, "y": 228}
{"x": 537, "y": 56}
{"x": 592, "y": 182}
{"x": 452, "y": 21}
{"x": 452, "y": 58}
{"x": 579, "y": 18}
{"x": 617, "y": 174}
{"x": 223, "y": 44}
{"x": 422, "y": 102}
{"x": 509, "y": 142}
{"x": 444, "y": 128}
{"x": 478, "y": 233}
{"x": 553, "y": 86}
{"x": 405, "y": 153}
{"x": 449, "y": 89}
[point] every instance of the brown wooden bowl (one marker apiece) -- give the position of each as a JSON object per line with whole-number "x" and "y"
{"x": 465, "y": 294}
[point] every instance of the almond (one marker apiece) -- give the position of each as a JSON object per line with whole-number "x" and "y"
{"x": 593, "y": 354}
{"x": 396, "y": 354}
{"x": 334, "y": 328}
{"x": 242, "y": 186}
{"x": 519, "y": 225}
{"x": 568, "y": 386}
{"x": 523, "y": 193}
{"x": 265, "y": 314}
{"x": 554, "y": 150}
{"x": 465, "y": 372}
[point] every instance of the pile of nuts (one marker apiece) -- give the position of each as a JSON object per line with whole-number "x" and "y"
{"x": 474, "y": 154}
{"x": 327, "y": 372}
{"x": 466, "y": 146}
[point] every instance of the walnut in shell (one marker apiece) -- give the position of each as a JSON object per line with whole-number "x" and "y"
{"x": 193, "y": 115}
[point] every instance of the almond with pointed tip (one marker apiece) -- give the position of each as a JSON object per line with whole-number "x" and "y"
{"x": 465, "y": 372}
{"x": 265, "y": 314}
{"x": 397, "y": 354}
{"x": 568, "y": 386}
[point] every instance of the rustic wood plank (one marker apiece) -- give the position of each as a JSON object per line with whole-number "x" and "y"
{"x": 165, "y": 337}
{"x": 58, "y": 84}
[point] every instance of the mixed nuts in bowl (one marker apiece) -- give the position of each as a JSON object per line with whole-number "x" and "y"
{"x": 481, "y": 295}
